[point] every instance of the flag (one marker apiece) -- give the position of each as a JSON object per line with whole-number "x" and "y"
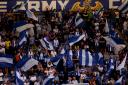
{"x": 26, "y": 63}
{"x": 74, "y": 39}
{"x": 122, "y": 6}
{"x": 6, "y": 60}
{"x": 85, "y": 58}
{"x": 97, "y": 13}
{"x": 100, "y": 58}
{"x": 22, "y": 25}
{"x": 119, "y": 81}
{"x": 47, "y": 81}
{"x": 22, "y": 37}
{"x": 46, "y": 44}
{"x": 106, "y": 27}
{"x": 122, "y": 64}
{"x": 125, "y": 10}
{"x": 31, "y": 15}
{"x": 111, "y": 66}
{"x": 55, "y": 60}
{"x": 79, "y": 22}
{"x": 19, "y": 80}
{"x": 68, "y": 55}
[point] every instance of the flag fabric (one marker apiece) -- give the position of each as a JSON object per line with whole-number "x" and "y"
{"x": 26, "y": 63}
{"x": 125, "y": 10}
{"x": 19, "y": 80}
{"x": 100, "y": 58}
{"x": 85, "y": 58}
{"x": 122, "y": 64}
{"x": 119, "y": 81}
{"x": 6, "y": 60}
{"x": 22, "y": 25}
{"x": 31, "y": 15}
{"x": 106, "y": 27}
{"x": 55, "y": 60}
{"x": 74, "y": 39}
{"x": 46, "y": 44}
{"x": 79, "y": 22}
{"x": 111, "y": 66}
{"x": 121, "y": 7}
{"x": 68, "y": 55}
{"x": 97, "y": 13}
{"x": 47, "y": 81}
{"x": 22, "y": 37}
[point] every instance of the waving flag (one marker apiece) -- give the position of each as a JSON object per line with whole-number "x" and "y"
{"x": 56, "y": 59}
{"x": 47, "y": 81}
{"x": 111, "y": 66}
{"x": 68, "y": 55}
{"x": 79, "y": 22}
{"x": 74, "y": 39}
{"x": 26, "y": 63}
{"x": 19, "y": 80}
{"x": 6, "y": 60}
{"x": 22, "y": 25}
{"x": 97, "y": 13}
{"x": 85, "y": 58}
{"x": 31, "y": 15}
{"x": 122, "y": 64}
{"x": 46, "y": 44}
{"x": 119, "y": 81}
{"x": 22, "y": 37}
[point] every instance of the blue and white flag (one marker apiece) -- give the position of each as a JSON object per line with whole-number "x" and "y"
{"x": 6, "y": 60}
{"x": 100, "y": 58}
{"x": 22, "y": 25}
{"x": 48, "y": 81}
{"x": 26, "y": 63}
{"x": 31, "y": 15}
{"x": 122, "y": 64}
{"x": 97, "y": 13}
{"x": 85, "y": 58}
{"x": 46, "y": 44}
{"x": 79, "y": 22}
{"x": 111, "y": 66}
{"x": 19, "y": 80}
{"x": 121, "y": 7}
{"x": 55, "y": 60}
{"x": 68, "y": 55}
{"x": 74, "y": 39}
{"x": 119, "y": 81}
{"x": 22, "y": 37}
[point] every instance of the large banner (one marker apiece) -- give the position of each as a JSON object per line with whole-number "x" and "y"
{"x": 40, "y": 5}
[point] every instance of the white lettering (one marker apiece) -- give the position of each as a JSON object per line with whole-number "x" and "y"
{"x": 45, "y": 5}
{"x": 111, "y": 3}
{"x": 3, "y": 7}
{"x": 34, "y": 5}
{"x": 63, "y": 4}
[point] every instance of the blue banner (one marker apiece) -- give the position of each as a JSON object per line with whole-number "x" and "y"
{"x": 42, "y": 5}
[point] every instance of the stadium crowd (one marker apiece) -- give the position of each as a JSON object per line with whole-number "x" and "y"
{"x": 58, "y": 27}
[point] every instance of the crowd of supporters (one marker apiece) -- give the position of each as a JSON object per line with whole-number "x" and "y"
{"x": 58, "y": 27}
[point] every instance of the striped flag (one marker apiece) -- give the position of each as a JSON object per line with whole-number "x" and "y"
{"x": 74, "y": 39}
{"x": 22, "y": 25}
{"x": 47, "y": 81}
{"x": 19, "y": 80}
{"x": 26, "y": 63}
{"x": 68, "y": 55}
{"x": 55, "y": 60}
{"x": 22, "y": 37}
{"x": 79, "y": 22}
{"x": 119, "y": 81}
{"x": 85, "y": 58}
{"x": 31, "y": 15}
{"x": 46, "y": 44}
{"x": 6, "y": 60}
{"x": 122, "y": 64}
